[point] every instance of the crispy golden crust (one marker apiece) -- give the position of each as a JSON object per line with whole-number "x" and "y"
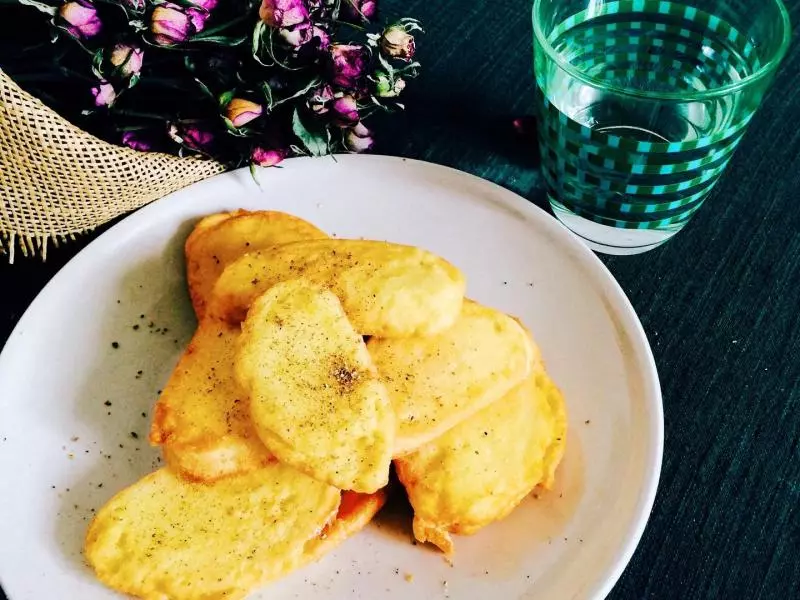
{"x": 220, "y": 239}
{"x": 315, "y": 398}
{"x": 480, "y": 470}
{"x": 202, "y": 418}
{"x": 166, "y": 538}
{"x": 436, "y": 382}
{"x": 386, "y": 289}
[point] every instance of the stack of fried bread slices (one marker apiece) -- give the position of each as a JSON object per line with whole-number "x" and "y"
{"x": 316, "y": 363}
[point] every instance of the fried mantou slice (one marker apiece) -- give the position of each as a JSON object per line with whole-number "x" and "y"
{"x": 436, "y": 382}
{"x": 387, "y": 290}
{"x": 480, "y": 470}
{"x": 202, "y": 418}
{"x": 165, "y": 537}
{"x": 220, "y": 239}
{"x": 315, "y": 398}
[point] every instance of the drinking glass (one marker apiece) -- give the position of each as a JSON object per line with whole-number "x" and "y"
{"x": 640, "y": 105}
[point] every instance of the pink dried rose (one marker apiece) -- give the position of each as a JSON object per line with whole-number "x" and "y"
{"x": 296, "y": 36}
{"x": 79, "y": 18}
{"x": 170, "y": 24}
{"x": 134, "y": 140}
{"x": 192, "y": 135}
{"x": 360, "y": 10}
{"x": 199, "y": 12}
{"x": 321, "y": 37}
{"x": 347, "y": 64}
{"x": 104, "y": 94}
{"x": 240, "y": 111}
{"x": 136, "y": 5}
{"x": 398, "y": 43}
{"x": 345, "y": 111}
{"x": 206, "y": 5}
{"x": 127, "y": 59}
{"x": 358, "y": 138}
{"x": 267, "y": 157}
{"x": 283, "y": 13}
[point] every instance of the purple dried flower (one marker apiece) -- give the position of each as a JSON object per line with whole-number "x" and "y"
{"x": 199, "y": 12}
{"x": 267, "y": 157}
{"x": 134, "y": 140}
{"x": 206, "y": 5}
{"x": 104, "y": 94}
{"x": 127, "y": 58}
{"x": 240, "y": 111}
{"x": 347, "y": 64}
{"x": 398, "y": 43}
{"x": 296, "y": 35}
{"x": 358, "y": 138}
{"x": 80, "y": 19}
{"x": 198, "y": 18}
{"x": 170, "y": 24}
{"x": 136, "y": 5}
{"x": 192, "y": 136}
{"x": 320, "y": 98}
{"x": 322, "y": 38}
{"x": 345, "y": 111}
{"x": 283, "y": 13}
{"x": 359, "y": 10}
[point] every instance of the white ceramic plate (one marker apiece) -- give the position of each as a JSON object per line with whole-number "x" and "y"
{"x": 70, "y": 402}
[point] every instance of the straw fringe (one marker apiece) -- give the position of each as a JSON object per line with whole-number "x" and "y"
{"x": 57, "y": 180}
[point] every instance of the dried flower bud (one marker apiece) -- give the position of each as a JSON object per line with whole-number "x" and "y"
{"x": 200, "y": 12}
{"x": 345, "y": 111}
{"x": 347, "y": 64}
{"x": 104, "y": 94}
{"x": 79, "y": 18}
{"x": 397, "y": 43}
{"x": 134, "y": 140}
{"x": 170, "y": 24}
{"x": 296, "y": 35}
{"x": 320, "y": 98}
{"x": 206, "y": 5}
{"x": 321, "y": 37}
{"x": 358, "y": 138}
{"x": 359, "y": 10}
{"x": 388, "y": 87}
{"x": 240, "y": 111}
{"x": 267, "y": 157}
{"x": 192, "y": 136}
{"x": 283, "y": 13}
{"x": 127, "y": 59}
{"x": 137, "y": 5}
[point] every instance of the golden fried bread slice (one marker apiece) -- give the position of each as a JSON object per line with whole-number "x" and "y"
{"x": 435, "y": 382}
{"x": 220, "y": 239}
{"x": 315, "y": 398}
{"x": 355, "y": 512}
{"x": 202, "y": 418}
{"x": 165, "y": 537}
{"x": 480, "y": 470}
{"x": 386, "y": 289}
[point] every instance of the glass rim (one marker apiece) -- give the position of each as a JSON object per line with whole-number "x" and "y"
{"x": 762, "y": 71}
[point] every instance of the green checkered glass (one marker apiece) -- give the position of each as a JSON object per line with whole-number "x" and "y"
{"x": 641, "y": 104}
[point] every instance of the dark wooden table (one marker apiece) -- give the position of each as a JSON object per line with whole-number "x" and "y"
{"x": 720, "y": 304}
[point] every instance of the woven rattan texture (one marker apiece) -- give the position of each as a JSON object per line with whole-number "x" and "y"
{"x": 57, "y": 181}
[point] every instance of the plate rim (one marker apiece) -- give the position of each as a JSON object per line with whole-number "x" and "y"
{"x": 580, "y": 253}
